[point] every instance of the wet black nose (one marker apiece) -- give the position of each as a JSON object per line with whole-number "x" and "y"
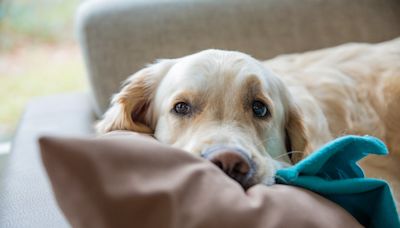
{"x": 234, "y": 162}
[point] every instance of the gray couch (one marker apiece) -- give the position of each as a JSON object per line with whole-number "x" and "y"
{"x": 120, "y": 37}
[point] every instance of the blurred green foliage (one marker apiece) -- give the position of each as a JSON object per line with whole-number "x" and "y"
{"x": 35, "y": 21}
{"x": 46, "y": 73}
{"x": 38, "y": 55}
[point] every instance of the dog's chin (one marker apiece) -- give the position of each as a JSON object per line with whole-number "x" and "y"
{"x": 270, "y": 180}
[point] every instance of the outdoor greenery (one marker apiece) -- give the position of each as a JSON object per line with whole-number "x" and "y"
{"x": 38, "y": 55}
{"x": 35, "y": 22}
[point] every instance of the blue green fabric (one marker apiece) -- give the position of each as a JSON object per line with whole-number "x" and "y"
{"x": 332, "y": 172}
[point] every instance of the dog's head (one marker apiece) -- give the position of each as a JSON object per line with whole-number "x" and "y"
{"x": 221, "y": 105}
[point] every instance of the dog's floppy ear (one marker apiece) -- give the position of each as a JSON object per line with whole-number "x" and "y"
{"x": 296, "y": 136}
{"x": 130, "y": 108}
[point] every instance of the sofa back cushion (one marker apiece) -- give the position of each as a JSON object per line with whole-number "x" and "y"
{"x": 120, "y": 37}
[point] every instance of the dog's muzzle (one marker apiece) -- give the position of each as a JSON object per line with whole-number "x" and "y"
{"x": 234, "y": 162}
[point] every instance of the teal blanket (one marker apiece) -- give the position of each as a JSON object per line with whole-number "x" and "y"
{"x": 333, "y": 173}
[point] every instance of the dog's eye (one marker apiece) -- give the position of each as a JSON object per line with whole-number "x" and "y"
{"x": 260, "y": 109}
{"x": 182, "y": 108}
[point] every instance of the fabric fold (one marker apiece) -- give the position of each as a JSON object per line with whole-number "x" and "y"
{"x": 333, "y": 172}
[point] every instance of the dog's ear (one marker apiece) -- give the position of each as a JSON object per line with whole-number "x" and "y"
{"x": 296, "y": 136}
{"x": 130, "y": 108}
{"x": 295, "y": 132}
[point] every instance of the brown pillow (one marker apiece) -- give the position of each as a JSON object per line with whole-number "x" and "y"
{"x": 129, "y": 180}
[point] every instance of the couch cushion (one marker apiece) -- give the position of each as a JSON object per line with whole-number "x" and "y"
{"x": 120, "y": 37}
{"x": 25, "y": 195}
{"x": 129, "y": 180}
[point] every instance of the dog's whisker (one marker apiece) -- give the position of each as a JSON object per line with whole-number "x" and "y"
{"x": 290, "y": 152}
{"x": 265, "y": 141}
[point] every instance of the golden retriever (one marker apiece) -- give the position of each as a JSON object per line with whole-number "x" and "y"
{"x": 251, "y": 118}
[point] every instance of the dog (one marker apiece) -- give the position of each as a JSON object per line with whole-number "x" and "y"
{"x": 251, "y": 118}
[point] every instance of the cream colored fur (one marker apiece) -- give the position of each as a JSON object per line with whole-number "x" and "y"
{"x": 349, "y": 89}
{"x": 313, "y": 98}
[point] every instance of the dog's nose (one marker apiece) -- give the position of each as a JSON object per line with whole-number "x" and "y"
{"x": 235, "y": 163}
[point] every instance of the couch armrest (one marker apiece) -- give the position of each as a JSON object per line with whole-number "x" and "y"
{"x": 26, "y": 199}
{"x": 120, "y": 37}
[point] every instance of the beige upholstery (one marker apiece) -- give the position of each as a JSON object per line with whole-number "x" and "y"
{"x": 26, "y": 199}
{"x": 120, "y": 37}
{"x": 125, "y": 179}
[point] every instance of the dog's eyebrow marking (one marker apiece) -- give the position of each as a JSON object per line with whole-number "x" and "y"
{"x": 253, "y": 84}
{"x": 252, "y": 89}
{"x": 183, "y": 97}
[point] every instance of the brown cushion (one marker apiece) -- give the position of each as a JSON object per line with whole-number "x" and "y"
{"x": 129, "y": 180}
